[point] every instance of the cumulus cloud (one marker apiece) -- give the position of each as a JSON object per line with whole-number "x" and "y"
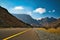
{"x": 18, "y": 8}
{"x": 24, "y": 10}
{"x": 21, "y": 10}
{"x": 40, "y": 10}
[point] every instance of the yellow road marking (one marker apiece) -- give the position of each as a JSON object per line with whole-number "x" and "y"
{"x": 16, "y": 34}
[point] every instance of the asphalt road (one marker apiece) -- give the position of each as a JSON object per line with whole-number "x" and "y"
{"x": 18, "y": 34}
{"x": 6, "y": 32}
{"x": 29, "y": 35}
{"x": 26, "y": 34}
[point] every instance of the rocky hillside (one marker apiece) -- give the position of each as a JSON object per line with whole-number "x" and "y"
{"x": 50, "y": 22}
{"x": 8, "y": 20}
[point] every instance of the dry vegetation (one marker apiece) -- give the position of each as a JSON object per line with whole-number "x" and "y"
{"x": 51, "y": 30}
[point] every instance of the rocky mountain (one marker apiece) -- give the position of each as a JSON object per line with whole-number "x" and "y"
{"x": 8, "y": 20}
{"x": 44, "y": 22}
{"x": 27, "y": 19}
{"x": 56, "y": 23}
{"x": 49, "y": 22}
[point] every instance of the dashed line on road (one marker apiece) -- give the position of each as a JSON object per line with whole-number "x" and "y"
{"x": 16, "y": 34}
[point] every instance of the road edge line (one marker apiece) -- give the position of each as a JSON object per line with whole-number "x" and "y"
{"x": 16, "y": 34}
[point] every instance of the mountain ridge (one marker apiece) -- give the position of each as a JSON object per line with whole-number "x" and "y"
{"x": 27, "y": 19}
{"x": 44, "y": 22}
{"x": 8, "y": 20}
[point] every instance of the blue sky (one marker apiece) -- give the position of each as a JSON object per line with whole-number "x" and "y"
{"x": 35, "y": 8}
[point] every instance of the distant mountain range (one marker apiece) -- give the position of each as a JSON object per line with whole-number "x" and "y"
{"x": 27, "y": 19}
{"x": 23, "y": 20}
{"x": 44, "y": 22}
{"x": 49, "y": 22}
{"x": 8, "y": 20}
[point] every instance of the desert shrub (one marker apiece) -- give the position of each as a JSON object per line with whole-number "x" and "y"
{"x": 51, "y": 30}
{"x": 54, "y": 31}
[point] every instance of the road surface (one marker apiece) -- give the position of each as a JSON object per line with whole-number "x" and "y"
{"x": 18, "y": 34}
{"x": 26, "y": 34}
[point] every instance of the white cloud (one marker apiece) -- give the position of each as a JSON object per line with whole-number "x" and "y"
{"x": 18, "y": 8}
{"x": 40, "y": 10}
{"x": 51, "y": 11}
{"x": 21, "y": 10}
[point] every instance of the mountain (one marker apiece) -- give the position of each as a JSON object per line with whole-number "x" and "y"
{"x": 27, "y": 19}
{"x": 23, "y": 20}
{"x": 44, "y": 22}
{"x": 8, "y": 20}
{"x": 49, "y": 22}
{"x": 56, "y": 23}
